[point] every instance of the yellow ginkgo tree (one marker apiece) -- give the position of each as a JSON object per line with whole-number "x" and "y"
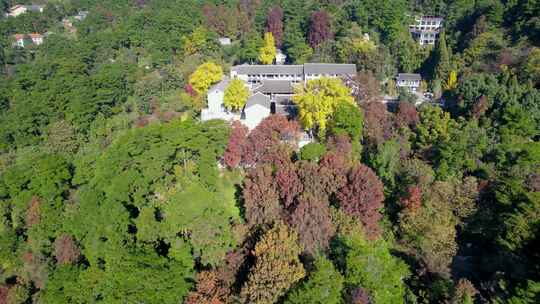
{"x": 267, "y": 53}
{"x": 451, "y": 83}
{"x": 317, "y": 102}
{"x": 236, "y": 95}
{"x": 204, "y": 76}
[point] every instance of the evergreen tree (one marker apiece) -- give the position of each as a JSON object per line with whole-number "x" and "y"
{"x": 295, "y": 44}
{"x": 2, "y": 59}
{"x": 442, "y": 52}
{"x": 250, "y": 45}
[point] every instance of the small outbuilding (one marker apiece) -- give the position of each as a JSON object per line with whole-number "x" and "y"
{"x": 280, "y": 57}
{"x": 224, "y": 41}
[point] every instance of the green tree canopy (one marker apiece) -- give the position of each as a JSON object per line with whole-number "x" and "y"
{"x": 372, "y": 267}
{"x": 348, "y": 119}
{"x": 323, "y": 285}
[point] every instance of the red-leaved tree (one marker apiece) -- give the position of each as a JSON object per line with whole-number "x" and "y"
{"x": 363, "y": 197}
{"x": 289, "y": 183}
{"x": 209, "y": 290}
{"x": 33, "y": 213}
{"x": 274, "y": 24}
{"x": 377, "y": 123}
{"x": 261, "y": 198}
{"x": 360, "y": 296}
{"x": 4, "y": 293}
{"x": 249, "y": 7}
{"x": 318, "y": 181}
{"x": 480, "y": 107}
{"x": 319, "y": 28}
{"x": 65, "y": 250}
{"x": 225, "y": 20}
{"x": 313, "y": 222}
{"x": 235, "y": 147}
{"x": 272, "y": 131}
{"x": 278, "y": 155}
{"x": 367, "y": 87}
{"x": 337, "y": 165}
{"x": 413, "y": 200}
{"x": 341, "y": 144}
{"x": 406, "y": 115}
{"x": 190, "y": 90}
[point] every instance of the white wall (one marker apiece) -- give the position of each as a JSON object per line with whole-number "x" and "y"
{"x": 215, "y": 100}
{"x": 37, "y": 41}
{"x": 254, "y": 115}
{"x": 243, "y": 77}
{"x": 206, "y": 114}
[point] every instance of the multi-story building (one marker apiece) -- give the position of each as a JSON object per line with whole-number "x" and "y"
{"x": 426, "y": 29}
{"x": 271, "y": 89}
{"x": 19, "y": 9}
{"x": 255, "y": 74}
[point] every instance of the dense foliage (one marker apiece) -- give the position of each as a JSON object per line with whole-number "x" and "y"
{"x": 113, "y": 191}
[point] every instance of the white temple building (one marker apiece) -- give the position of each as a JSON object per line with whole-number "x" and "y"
{"x": 271, "y": 89}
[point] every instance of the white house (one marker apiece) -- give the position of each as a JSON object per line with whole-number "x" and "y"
{"x": 23, "y": 40}
{"x": 19, "y": 9}
{"x": 224, "y": 41}
{"x": 216, "y": 109}
{"x": 271, "y": 88}
{"x": 426, "y": 29}
{"x": 81, "y": 15}
{"x": 409, "y": 81}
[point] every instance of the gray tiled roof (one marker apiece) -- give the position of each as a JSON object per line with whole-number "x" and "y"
{"x": 275, "y": 87}
{"x": 435, "y": 18}
{"x": 222, "y": 85}
{"x": 268, "y": 69}
{"x": 307, "y": 68}
{"x": 409, "y": 76}
{"x": 34, "y": 8}
{"x": 258, "y": 98}
{"x": 329, "y": 68}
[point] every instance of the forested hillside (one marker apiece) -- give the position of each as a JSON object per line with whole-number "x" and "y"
{"x": 113, "y": 191}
